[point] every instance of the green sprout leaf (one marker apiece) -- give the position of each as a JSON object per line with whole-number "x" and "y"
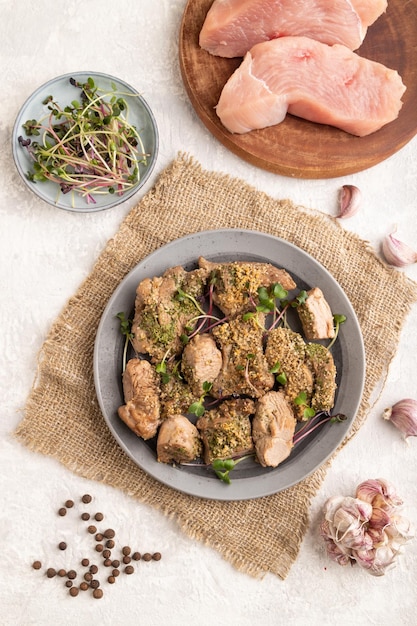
{"x": 337, "y": 320}
{"x": 126, "y": 330}
{"x": 197, "y": 408}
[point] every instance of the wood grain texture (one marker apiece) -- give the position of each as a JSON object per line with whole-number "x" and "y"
{"x": 296, "y": 147}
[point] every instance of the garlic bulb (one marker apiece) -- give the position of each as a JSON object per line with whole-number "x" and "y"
{"x": 403, "y": 415}
{"x": 368, "y": 529}
{"x": 398, "y": 253}
{"x": 349, "y": 203}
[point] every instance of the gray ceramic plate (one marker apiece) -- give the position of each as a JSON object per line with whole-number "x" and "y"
{"x": 139, "y": 115}
{"x": 249, "y": 479}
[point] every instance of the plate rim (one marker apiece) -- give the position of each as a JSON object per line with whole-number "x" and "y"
{"x": 89, "y": 208}
{"x": 200, "y": 487}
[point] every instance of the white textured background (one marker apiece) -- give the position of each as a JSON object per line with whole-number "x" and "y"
{"x": 45, "y": 255}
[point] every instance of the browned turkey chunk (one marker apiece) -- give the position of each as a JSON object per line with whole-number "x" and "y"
{"x": 244, "y": 368}
{"x": 316, "y": 316}
{"x": 178, "y": 441}
{"x": 141, "y": 391}
{"x": 237, "y": 283}
{"x": 201, "y": 362}
{"x": 286, "y": 349}
{"x": 226, "y": 430}
{"x": 322, "y": 365}
{"x": 161, "y": 313}
{"x": 176, "y": 396}
{"x": 273, "y": 429}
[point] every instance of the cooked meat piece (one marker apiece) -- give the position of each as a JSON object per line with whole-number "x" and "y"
{"x": 244, "y": 368}
{"x": 321, "y": 362}
{"x": 161, "y": 313}
{"x": 226, "y": 430}
{"x": 316, "y": 316}
{"x": 176, "y": 395}
{"x": 237, "y": 283}
{"x": 287, "y": 348}
{"x": 273, "y": 429}
{"x": 201, "y": 362}
{"x": 178, "y": 441}
{"x": 141, "y": 391}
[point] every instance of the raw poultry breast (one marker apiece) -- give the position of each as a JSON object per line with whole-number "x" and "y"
{"x": 320, "y": 83}
{"x": 232, "y": 27}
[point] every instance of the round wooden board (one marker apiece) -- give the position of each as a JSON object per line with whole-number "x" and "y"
{"x": 296, "y": 147}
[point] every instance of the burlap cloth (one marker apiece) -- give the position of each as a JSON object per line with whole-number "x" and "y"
{"x": 62, "y": 418}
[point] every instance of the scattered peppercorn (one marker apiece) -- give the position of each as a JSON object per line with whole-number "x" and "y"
{"x": 88, "y": 579}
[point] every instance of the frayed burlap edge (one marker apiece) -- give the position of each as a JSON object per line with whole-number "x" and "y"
{"x": 62, "y": 418}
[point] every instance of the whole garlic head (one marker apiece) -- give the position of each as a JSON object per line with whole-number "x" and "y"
{"x": 367, "y": 530}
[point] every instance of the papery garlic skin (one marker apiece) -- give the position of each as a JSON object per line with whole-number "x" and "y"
{"x": 403, "y": 415}
{"x": 367, "y": 530}
{"x": 398, "y": 253}
{"x": 379, "y": 493}
{"x": 350, "y": 201}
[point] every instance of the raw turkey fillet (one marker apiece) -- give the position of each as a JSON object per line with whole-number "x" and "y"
{"x": 324, "y": 84}
{"x": 232, "y": 27}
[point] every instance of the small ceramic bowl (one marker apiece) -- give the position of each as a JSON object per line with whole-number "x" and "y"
{"x": 139, "y": 115}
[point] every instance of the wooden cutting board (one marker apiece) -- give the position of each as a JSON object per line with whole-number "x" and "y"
{"x": 296, "y": 147}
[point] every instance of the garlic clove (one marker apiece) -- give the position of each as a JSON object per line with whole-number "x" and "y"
{"x": 398, "y": 253}
{"x": 379, "y": 493}
{"x": 403, "y": 415}
{"x": 349, "y": 201}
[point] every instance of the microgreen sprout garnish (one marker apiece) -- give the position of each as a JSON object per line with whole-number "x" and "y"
{"x": 182, "y": 295}
{"x": 280, "y": 376}
{"x": 301, "y": 400}
{"x": 315, "y": 422}
{"x": 223, "y": 467}
{"x": 197, "y": 408}
{"x": 87, "y": 147}
{"x": 338, "y": 320}
{"x": 161, "y": 368}
{"x": 126, "y": 330}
